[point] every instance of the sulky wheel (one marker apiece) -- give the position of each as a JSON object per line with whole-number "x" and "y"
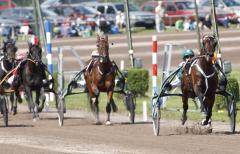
{"x": 232, "y": 112}
{"x": 61, "y": 109}
{"x": 156, "y": 115}
{"x": 4, "y": 110}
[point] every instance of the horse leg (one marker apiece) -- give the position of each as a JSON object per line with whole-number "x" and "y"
{"x": 110, "y": 105}
{"x": 37, "y": 103}
{"x": 108, "y": 110}
{"x": 113, "y": 104}
{"x": 31, "y": 103}
{"x": 95, "y": 108}
{"x": 27, "y": 97}
{"x": 185, "y": 108}
{"x": 13, "y": 101}
{"x": 42, "y": 96}
{"x": 208, "y": 110}
{"x": 94, "y": 94}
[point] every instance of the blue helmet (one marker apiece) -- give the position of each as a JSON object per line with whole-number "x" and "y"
{"x": 187, "y": 53}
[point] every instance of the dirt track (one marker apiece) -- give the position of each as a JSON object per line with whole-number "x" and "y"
{"x": 79, "y": 135}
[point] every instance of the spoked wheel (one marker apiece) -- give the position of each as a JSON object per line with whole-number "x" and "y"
{"x": 232, "y": 112}
{"x": 4, "y": 110}
{"x": 61, "y": 108}
{"x": 130, "y": 103}
{"x": 156, "y": 115}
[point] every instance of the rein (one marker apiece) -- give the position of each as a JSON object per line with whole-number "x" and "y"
{"x": 31, "y": 60}
{"x": 5, "y": 77}
{"x": 3, "y": 67}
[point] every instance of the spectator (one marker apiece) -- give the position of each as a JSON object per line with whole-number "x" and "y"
{"x": 81, "y": 22}
{"x": 103, "y": 25}
{"x": 24, "y": 29}
{"x": 207, "y": 22}
{"x": 159, "y": 17}
{"x": 188, "y": 24}
{"x": 73, "y": 32}
{"x": 118, "y": 20}
{"x": 6, "y": 31}
{"x": 179, "y": 25}
{"x": 226, "y": 22}
{"x": 238, "y": 22}
{"x": 65, "y": 28}
{"x": 123, "y": 21}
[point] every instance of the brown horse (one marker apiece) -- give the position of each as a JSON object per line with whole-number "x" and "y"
{"x": 201, "y": 79}
{"x": 100, "y": 77}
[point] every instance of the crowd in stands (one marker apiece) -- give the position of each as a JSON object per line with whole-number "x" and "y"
{"x": 73, "y": 25}
{"x": 78, "y": 25}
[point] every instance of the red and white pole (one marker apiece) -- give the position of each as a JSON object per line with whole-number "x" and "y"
{"x": 34, "y": 39}
{"x": 154, "y": 65}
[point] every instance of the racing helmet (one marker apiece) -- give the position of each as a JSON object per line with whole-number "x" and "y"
{"x": 187, "y": 53}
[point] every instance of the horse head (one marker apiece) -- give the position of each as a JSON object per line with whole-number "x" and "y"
{"x": 103, "y": 47}
{"x": 35, "y": 53}
{"x": 209, "y": 44}
{"x": 9, "y": 50}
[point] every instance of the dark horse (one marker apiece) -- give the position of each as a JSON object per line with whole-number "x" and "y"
{"x": 31, "y": 76}
{"x": 100, "y": 77}
{"x": 7, "y": 63}
{"x": 201, "y": 79}
{"x": 7, "y": 59}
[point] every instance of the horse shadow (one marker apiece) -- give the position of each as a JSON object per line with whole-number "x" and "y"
{"x": 17, "y": 126}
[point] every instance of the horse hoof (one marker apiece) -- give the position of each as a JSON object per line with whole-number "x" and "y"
{"x": 98, "y": 123}
{"x": 114, "y": 107}
{"x": 204, "y": 122}
{"x": 40, "y": 109}
{"x": 36, "y": 119}
{"x": 108, "y": 123}
{"x": 184, "y": 119}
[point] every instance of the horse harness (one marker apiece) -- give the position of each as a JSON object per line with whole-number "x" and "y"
{"x": 2, "y": 65}
{"x": 206, "y": 77}
{"x": 96, "y": 59}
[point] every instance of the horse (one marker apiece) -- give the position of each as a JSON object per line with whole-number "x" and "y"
{"x": 7, "y": 59}
{"x": 31, "y": 76}
{"x": 7, "y": 63}
{"x": 100, "y": 76}
{"x": 201, "y": 80}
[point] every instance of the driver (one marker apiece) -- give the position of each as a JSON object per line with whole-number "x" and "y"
{"x": 187, "y": 56}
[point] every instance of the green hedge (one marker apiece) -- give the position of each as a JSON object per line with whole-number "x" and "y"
{"x": 137, "y": 81}
{"x": 232, "y": 87}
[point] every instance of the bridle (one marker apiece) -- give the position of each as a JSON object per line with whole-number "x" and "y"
{"x": 103, "y": 51}
{"x": 35, "y": 58}
{"x": 7, "y": 52}
{"x": 208, "y": 53}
